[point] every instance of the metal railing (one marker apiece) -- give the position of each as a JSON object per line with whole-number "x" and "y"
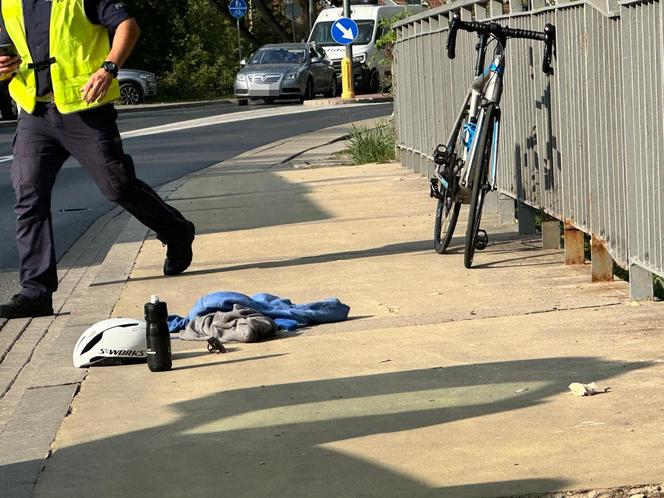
{"x": 585, "y": 145}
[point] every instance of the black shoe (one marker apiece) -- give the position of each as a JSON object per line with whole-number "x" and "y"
{"x": 20, "y": 306}
{"x": 179, "y": 253}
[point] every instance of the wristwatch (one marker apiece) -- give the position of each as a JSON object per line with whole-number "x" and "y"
{"x": 110, "y": 67}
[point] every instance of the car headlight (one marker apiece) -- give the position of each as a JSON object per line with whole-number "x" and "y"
{"x": 148, "y": 77}
{"x": 362, "y": 58}
{"x": 292, "y": 76}
{"x": 241, "y": 77}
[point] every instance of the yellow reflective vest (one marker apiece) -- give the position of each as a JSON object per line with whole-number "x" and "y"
{"x": 77, "y": 48}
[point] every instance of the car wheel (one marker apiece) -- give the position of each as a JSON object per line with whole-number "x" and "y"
{"x": 130, "y": 94}
{"x": 332, "y": 92}
{"x": 374, "y": 82}
{"x": 309, "y": 90}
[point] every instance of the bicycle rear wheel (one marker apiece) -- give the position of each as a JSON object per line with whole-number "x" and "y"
{"x": 480, "y": 168}
{"x": 447, "y": 214}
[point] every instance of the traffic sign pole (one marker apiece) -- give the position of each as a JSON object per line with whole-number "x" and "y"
{"x": 347, "y": 84}
{"x": 239, "y": 40}
{"x": 344, "y": 31}
{"x": 238, "y": 9}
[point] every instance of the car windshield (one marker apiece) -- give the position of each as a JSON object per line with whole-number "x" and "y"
{"x": 279, "y": 56}
{"x": 322, "y": 33}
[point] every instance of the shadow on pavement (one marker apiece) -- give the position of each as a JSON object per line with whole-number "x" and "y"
{"x": 226, "y": 361}
{"x": 286, "y": 440}
{"x": 399, "y": 248}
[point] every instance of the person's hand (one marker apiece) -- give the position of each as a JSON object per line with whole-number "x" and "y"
{"x": 8, "y": 65}
{"x": 97, "y": 86}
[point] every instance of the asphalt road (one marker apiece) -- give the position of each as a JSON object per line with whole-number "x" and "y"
{"x": 160, "y": 157}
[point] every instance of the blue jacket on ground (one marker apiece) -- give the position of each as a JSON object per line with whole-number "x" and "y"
{"x": 287, "y": 315}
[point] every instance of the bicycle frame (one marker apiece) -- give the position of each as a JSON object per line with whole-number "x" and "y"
{"x": 467, "y": 176}
{"x": 487, "y": 87}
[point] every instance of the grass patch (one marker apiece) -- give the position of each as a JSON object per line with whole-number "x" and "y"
{"x": 372, "y": 145}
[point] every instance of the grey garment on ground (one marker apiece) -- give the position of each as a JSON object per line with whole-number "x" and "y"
{"x": 242, "y": 324}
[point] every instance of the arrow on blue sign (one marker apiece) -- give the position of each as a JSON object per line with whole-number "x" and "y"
{"x": 344, "y": 31}
{"x": 238, "y": 8}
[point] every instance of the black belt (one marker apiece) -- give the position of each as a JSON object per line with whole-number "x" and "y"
{"x": 41, "y": 64}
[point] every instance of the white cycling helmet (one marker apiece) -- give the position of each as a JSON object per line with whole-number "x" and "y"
{"x": 110, "y": 341}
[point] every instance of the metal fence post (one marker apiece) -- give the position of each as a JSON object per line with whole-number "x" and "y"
{"x": 574, "y": 246}
{"x": 551, "y": 235}
{"x": 600, "y": 260}
{"x": 526, "y": 216}
{"x": 505, "y": 210}
{"x": 640, "y": 283}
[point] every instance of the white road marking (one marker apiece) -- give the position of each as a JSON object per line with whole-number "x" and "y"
{"x": 226, "y": 118}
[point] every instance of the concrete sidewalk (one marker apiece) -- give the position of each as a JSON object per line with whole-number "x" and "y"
{"x": 444, "y": 382}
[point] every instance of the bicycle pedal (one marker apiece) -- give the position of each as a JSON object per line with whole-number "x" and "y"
{"x": 440, "y": 154}
{"x": 481, "y": 240}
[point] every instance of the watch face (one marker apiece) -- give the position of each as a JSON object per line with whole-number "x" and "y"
{"x": 111, "y": 67}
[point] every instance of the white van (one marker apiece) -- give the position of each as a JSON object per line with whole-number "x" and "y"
{"x": 368, "y": 72}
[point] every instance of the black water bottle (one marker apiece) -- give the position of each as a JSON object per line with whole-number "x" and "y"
{"x": 157, "y": 335}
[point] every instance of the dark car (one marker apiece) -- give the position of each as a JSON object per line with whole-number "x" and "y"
{"x": 286, "y": 71}
{"x": 136, "y": 86}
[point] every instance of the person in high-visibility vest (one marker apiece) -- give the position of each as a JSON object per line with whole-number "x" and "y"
{"x": 63, "y": 79}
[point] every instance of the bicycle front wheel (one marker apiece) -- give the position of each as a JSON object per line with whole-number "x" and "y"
{"x": 447, "y": 214}
{"x": 480, "y": 168}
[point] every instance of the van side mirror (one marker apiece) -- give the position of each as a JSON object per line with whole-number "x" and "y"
{"x": 243, "y": 62}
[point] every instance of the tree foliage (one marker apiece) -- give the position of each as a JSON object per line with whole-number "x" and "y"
{"x": 188, "y": 44}
{"x": 192, "y": 44}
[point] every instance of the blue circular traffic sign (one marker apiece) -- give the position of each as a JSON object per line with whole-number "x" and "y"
{"x": 344, "y": 31}
{"x": 238, "y": 8}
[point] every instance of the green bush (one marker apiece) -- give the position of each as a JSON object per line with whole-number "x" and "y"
{"x": 189, "y": 45}
{"x": 204, "y": 81}
{"x": 659, "y": 287}
{"x": 372, "y": 145}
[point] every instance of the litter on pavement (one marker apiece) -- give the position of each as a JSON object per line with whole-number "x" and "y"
{"x": 591, "y": 389}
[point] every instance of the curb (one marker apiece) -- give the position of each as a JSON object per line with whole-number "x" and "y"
{"x": 126, "y": 109}
{"x": 365, "y": 99}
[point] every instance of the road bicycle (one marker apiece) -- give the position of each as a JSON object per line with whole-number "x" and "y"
{"x": 466, "y": 165}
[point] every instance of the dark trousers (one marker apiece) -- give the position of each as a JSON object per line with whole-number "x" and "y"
{"x": 44, "y": 140}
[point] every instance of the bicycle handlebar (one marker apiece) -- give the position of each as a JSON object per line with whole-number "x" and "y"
{"x": 490, "y": 28}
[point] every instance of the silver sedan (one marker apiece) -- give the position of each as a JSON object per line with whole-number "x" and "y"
{"x": 286, "y": 71}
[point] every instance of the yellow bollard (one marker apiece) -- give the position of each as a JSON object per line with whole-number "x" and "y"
{"x": 348, "y": 92}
